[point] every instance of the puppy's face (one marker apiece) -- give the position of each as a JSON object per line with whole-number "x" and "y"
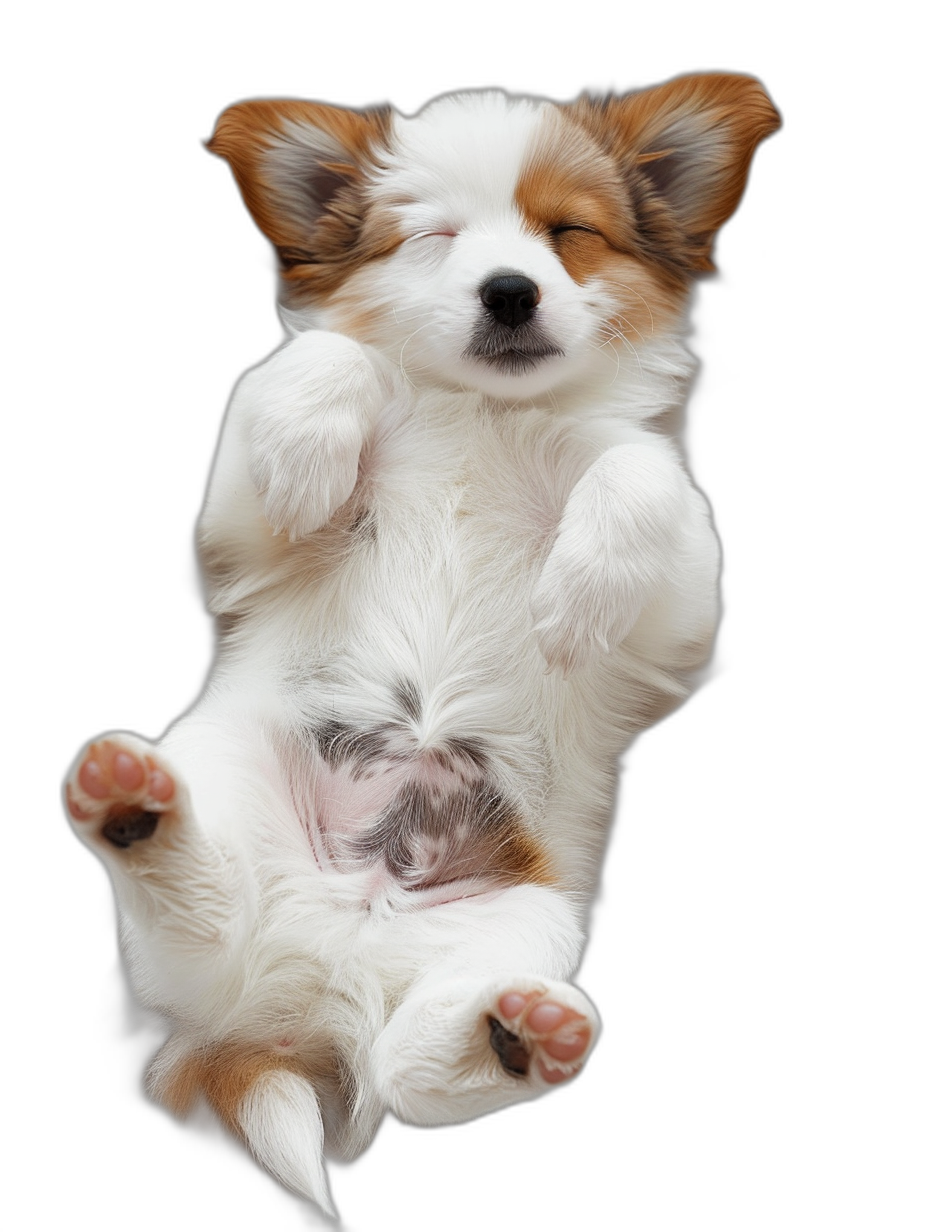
{"x": 499, "y": 269}
{"x": 510, "y": 269}
{"x": 510, "y": 246}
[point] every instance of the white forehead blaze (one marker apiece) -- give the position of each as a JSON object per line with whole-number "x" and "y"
{"x": 458, "y": 162}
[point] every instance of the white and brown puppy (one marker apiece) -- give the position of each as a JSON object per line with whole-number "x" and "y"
{"x": 456, "y": 568}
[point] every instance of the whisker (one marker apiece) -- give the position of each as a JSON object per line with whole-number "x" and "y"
{"x": 608, "y": 342}
{"x": 643, "y": 300}
{"x": 401, "y": 364}
{"x": 618, "y": 361}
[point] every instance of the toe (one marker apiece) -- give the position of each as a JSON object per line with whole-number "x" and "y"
{"x": 92, "y": 779}
{"x": 128, "y": 771}
{"x": 512, "y": 1004}
{"x": 160, "y": 785}
{"x": 553, "y": 1076}
{"x": 546, "y": 1017}
{"x": 568, "y": 1046}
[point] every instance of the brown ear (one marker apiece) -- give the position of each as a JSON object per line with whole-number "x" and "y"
{"x": 686, "y": 148}
{"x": 296, "y": 162}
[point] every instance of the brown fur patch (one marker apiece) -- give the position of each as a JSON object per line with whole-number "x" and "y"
{"x": 683, "y": 150}
{"x": 569, "y": 181}
{"x": 224, "y": 1073}
{"x": 302, "y": 169}
{"x": 429, "y": 838}
{"x": 572, "y": 194}
{"x": 524, "y": 861}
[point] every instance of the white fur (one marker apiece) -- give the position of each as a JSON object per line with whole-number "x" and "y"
{"x": 542, "y": 574}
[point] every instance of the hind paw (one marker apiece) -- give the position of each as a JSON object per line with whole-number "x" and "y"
{"x": 545, "y": 1032}
{"x": 119, "y": 792}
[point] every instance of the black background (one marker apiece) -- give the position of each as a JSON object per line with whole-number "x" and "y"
{"x": 165, "y": 292}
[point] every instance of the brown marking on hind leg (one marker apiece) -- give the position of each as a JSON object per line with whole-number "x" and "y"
{"x": 224, "y": 1073}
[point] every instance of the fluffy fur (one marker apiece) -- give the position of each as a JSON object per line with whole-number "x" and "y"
{"x": 456, "y": 566}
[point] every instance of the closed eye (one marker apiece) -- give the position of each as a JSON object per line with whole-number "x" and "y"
{"x": 422, "y": 235}
{"x": 574, "y": 226}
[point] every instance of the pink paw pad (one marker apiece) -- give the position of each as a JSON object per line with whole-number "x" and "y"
{"x": 125, "y": 792}
{"x": 535, "y": 1028}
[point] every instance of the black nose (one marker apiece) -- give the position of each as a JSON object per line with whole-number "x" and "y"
{"x": 510, "y": 297}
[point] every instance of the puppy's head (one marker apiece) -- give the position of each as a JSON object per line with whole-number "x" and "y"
{"x": 506, "y": 245}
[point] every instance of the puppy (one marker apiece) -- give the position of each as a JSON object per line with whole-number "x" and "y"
{"x": 455, "y": 567}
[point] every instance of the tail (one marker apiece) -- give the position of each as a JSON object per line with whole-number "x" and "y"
{"x": 253, "y": 1099}
{"x": 279, "y": 1118}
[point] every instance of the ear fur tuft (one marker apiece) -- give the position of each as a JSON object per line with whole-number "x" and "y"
{"x": 296, "y": 161}
{"x": 685, "y": 148}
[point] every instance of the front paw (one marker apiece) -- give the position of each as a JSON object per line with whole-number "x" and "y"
{"x": 303, "y": 481}
{"x": 582, "y": 607}
{"x": 619, "y": 529}
{"x": 311, "y": 407}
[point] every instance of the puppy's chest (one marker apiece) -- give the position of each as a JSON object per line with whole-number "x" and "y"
{"x": 483, "y": 474}
{"x": 427, "y": 573}
{"x": 404, "y": 775}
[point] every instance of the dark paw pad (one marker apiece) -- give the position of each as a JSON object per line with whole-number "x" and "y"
{"x": 126, "y": 825}
{"x": 513, "y": 1055}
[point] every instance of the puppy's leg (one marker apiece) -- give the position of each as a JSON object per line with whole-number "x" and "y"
{"x": 293, "y": 435}
{"x": 459, "y": 1048}
{"x": 621, "y": 541}
{"x": 184, "y": 895}
{"x": 493, "y": 1021}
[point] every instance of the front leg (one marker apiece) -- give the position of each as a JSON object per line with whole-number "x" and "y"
{"x": 616, "y": 543}
{"x": 304, "y": 415}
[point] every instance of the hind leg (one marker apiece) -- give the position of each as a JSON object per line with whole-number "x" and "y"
{"x": 164, "y": 826}
{"x": 465, "y": 1047}
{"x": 493, "y": 1021}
